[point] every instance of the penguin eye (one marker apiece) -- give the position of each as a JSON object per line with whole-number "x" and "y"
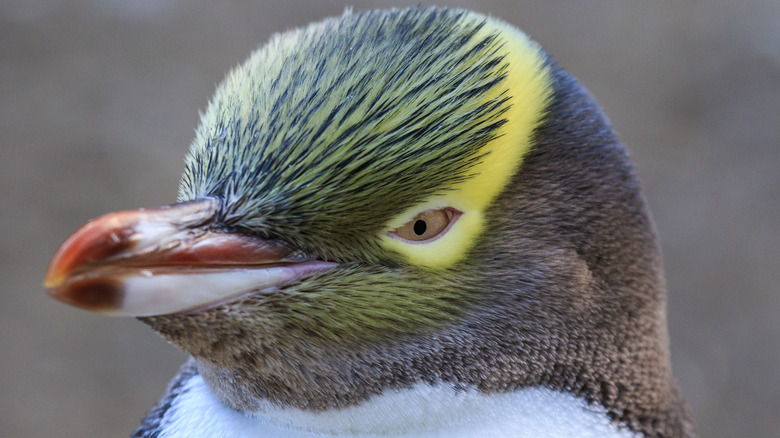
{"x": 426, "y": 226}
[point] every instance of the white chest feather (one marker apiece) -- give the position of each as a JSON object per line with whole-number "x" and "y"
{"x": 421, "y": 412}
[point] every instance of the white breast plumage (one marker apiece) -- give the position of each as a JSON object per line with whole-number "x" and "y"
{"x": 423, "y": 411}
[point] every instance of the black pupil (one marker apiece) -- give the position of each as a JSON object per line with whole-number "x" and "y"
{"x": 419, "y": 227}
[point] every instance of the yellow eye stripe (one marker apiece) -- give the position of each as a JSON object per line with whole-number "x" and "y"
{"x": 529, "y": 86}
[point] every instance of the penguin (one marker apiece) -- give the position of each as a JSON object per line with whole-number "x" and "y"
{"x": 400, "y": 223}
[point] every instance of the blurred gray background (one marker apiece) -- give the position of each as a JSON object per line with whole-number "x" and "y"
{"x": 99, "y": 100}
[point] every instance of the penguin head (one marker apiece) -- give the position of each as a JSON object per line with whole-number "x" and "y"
{"x": 393, "y": 197}
{"x": 377, "y": 141}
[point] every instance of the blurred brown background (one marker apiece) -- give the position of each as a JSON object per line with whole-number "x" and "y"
{"x": 99, "y": 100}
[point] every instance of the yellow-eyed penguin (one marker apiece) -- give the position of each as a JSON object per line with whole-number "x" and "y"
{"x": 404, "y": 223}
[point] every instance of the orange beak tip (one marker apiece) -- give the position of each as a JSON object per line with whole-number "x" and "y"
{"x": 54, "y": 277}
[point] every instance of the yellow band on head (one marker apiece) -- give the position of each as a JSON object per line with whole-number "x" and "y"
{"x": 528, "y": 86}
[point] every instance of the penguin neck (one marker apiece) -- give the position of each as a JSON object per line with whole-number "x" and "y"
{"x": 420, "y": 411}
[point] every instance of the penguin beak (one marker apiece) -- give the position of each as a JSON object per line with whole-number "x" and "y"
{"x": 165, "y": 260}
